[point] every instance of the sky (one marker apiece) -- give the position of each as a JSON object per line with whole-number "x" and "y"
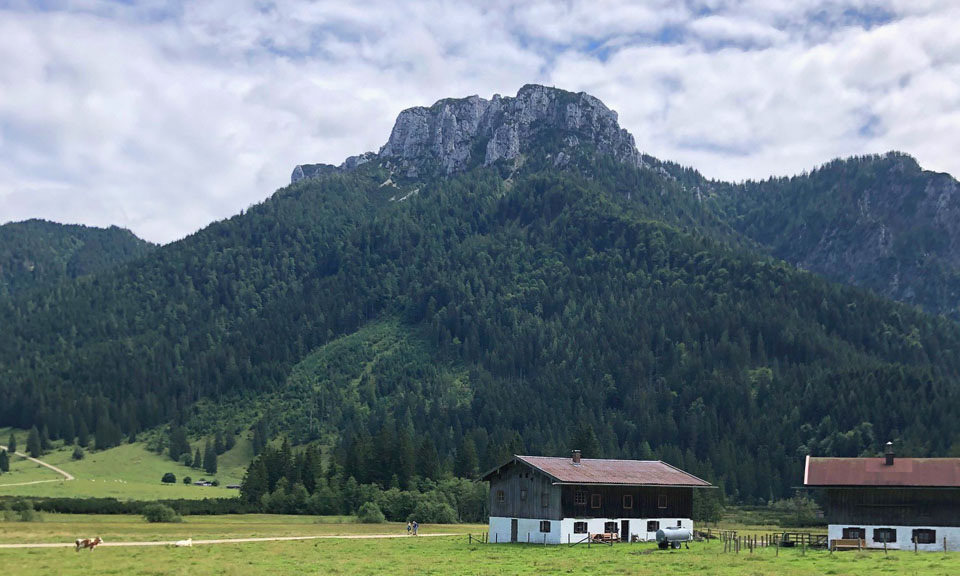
{"x": 163, "y": 117}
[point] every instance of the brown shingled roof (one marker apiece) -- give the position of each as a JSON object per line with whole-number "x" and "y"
{"x": 922, "y": 472}
{"x": 602, "y": 471}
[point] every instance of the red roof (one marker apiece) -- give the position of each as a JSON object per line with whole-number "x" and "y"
{"x": 921, "y": 472}
{"x": 602, "y": 471}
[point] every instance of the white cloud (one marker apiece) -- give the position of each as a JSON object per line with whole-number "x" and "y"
{"x": 163, "y": 118}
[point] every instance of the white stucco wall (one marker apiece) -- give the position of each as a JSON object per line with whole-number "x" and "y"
{"x": 904, "y": 536}
{"x": 561, "y": 531}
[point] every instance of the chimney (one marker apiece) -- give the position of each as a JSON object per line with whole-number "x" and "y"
{"x": 888, "y": 454}
{"x": 576, "y": 456}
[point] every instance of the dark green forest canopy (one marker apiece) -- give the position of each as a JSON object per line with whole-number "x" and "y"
{"x": 603, "y": 308}
{"x": 36, "y": 254}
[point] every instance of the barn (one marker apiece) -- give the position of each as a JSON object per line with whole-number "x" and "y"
{"x": 888, "y": 500}
{"x": 558, "y": 500}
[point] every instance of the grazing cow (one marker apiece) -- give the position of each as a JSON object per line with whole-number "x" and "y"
{"x": 184, "y": 543}
{"x": 90, "y": 543}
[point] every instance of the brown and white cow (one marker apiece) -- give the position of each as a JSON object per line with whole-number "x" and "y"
{"x": 90, "y": 543}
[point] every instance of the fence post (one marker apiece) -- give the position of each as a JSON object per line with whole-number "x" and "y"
{"x": 544, "y": 539}
{"x": 470, "y": 538}
{"x": 944, "y": 544}
{"x": 884, "y": 544}
{"x": 778, "y": 547}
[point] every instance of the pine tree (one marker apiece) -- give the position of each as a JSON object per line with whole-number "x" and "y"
{"x": 428, "y": 461}
{"x": 179, "y": 445}
{"x": 83, "y": 434}
{"x": 218, "y": 443}
{"x": 12, "y": 443}
{"x": 33, "y": 443}
{"x": 4, "y": 461}
{"x": 230, "y": 441}
{"x": 467, "y": 464}
{"x": 197, "y": 460}
{"x": 210, "y": 458}
{"x": 45, "y": 443}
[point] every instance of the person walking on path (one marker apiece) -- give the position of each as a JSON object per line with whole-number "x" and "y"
{"x": 409, "y": 527}
{"x": 415, "y": 527}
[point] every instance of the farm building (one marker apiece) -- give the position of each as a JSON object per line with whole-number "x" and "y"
{"x": 559, "y": 500}
{"x": 888, "y": 499}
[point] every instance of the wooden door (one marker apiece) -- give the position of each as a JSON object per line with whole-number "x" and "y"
{"x": 624, "y": 530}
{"x": 513, "y": 530}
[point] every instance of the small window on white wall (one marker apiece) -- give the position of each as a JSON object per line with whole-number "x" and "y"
{"x": 545, "y": 526}
{"x": 579, "y": 527}
{"x": 653, "y": 525}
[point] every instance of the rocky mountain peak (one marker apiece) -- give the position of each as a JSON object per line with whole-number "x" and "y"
{"x": 458, "y": 133}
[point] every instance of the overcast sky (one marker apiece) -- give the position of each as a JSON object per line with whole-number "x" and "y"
{"x": 164, "y": 116}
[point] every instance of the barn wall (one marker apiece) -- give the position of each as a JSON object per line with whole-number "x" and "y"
{"x": 513, "y": 480}
{"x": 893, "y": 506}
{"x": 904, "y": 536}
{"x": 645, "y": 502}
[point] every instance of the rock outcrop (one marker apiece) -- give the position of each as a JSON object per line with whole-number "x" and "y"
{"x": 457, "y": 134}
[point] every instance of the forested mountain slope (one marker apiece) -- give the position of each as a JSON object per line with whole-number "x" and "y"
{"x": 36, "y": 253}
{"x": 493, "y": 308}
{"x": 876, "y": 221}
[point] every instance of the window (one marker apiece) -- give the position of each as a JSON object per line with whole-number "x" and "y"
{"x": 595, "y": 500}
{"x": 523, "y": 494}
{"x": 662, "y": 501}
{"x": 501, "y": 497}
{"x": 579, "y": 527}
{"x": 545, "y": 526}
{"x": 627, "y": 501}
{"x": 653, "y": 525}
{"x": 580, "y": 498}
{"x": 545, "y": 500}
{"x": 854, "y": 533}
{"x": 925, "y": 536}
{"x": 884, "y": 534}
{"x": 679, "y": 524}
{"x": 610, "y": 527}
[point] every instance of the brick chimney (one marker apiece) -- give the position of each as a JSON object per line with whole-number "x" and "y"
{"x": 888, "y": 454}
{"x": 576, "y": 456}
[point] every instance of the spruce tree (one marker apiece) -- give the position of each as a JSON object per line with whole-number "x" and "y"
{"x": 218, "y": 443}
{"x": 12, "y": 443}
{"x": 4, "y": 461}
{"x": 45, "y": 443}
{"x": 179, "y": 445}
{"x": 209, "y": 458}
{"x": 33, "y": 443}
{"x": 467, "y": 464}
{"x": 197, "y": 460}
{"x": 83, "y": 434}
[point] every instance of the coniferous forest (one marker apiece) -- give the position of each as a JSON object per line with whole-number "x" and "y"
{"x": 491, "y": 312}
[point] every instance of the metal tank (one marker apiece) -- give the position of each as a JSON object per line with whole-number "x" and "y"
{"x": 673, "y": 537}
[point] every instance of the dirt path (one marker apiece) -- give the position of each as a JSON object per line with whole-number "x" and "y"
{"x": 66, "y": 475}
{"x": 233, "y": 540}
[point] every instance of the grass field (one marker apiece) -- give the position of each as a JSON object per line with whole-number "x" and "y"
{"x": 445, "y": 555}
{"x": 123, "y": 528}
{"x": 127, "y": 472}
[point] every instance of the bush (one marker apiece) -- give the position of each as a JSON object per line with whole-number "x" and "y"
{"x": 370, "y": 514}
{"x": 77, "y": 453}
{"x": 187, "y": 480}
{"x": 428, "y": 512}
{"x": 160, "y": 513}
{"x": 25, "y": 512}
{"x": 169, "y": 478}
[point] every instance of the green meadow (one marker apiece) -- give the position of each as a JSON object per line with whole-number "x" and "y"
{"x": 126, "y": 472}
{"x": 454, "y": 555}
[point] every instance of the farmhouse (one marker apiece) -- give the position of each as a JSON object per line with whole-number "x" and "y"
{"x": 559, "y": 500}
{"x": 889, "y": 500}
